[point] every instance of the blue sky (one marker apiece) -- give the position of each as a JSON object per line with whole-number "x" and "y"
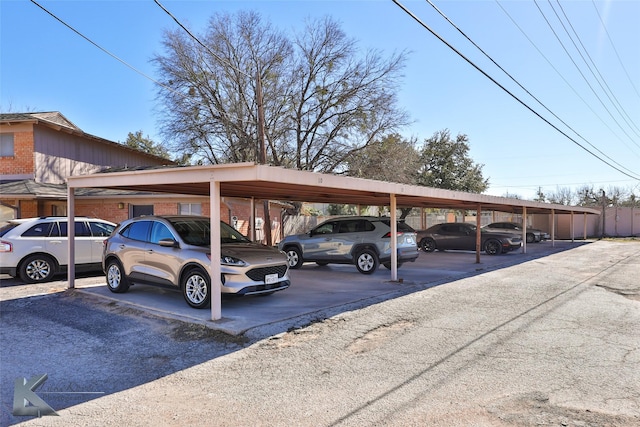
{"x": 44, "y": 66}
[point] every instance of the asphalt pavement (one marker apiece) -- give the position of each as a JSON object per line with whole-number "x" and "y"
{"x": 551, "y": 336}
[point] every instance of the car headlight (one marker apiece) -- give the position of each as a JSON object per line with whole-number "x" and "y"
{"x": 229, "y": 260}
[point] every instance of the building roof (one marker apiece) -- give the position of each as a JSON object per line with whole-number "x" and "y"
{"x": 28, "y": 189}
{"x": 52, "y": 117}
{"x": 57, "y": 121}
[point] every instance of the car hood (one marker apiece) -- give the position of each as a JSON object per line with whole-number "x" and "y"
{"x": 252, "y": 252}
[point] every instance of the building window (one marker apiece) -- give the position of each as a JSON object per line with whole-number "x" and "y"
{"x": 190, "y": 208}
{"x": 6, "y": 145}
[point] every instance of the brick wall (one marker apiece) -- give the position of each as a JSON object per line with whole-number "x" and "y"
{"x": 23, "y": 160}
{"x": 28, "y": 208}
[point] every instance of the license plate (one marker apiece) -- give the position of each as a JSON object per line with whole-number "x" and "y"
{"x": 270, "y": 278}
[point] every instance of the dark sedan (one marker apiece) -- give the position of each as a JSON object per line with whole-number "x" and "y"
{"x": 461, "y": 236}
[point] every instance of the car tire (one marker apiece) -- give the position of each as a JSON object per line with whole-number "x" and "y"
{"x": 428, "y": 245}
{"x": 367, "y": 261}
{"x": 322, "y": 263}
{"x": 388, "y": 265}
{"x": 294, "y": 257}
{"x": 531, "y": 238}
{"x": 493, "y": 247}
{"x": 37, "y": 269}
{"x": 196, "y": 288}
{"x": 117, "y": 282}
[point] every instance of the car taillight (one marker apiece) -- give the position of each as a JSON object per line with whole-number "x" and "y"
{"x": 398, "y": 234}
{"x": 5, "y": 246}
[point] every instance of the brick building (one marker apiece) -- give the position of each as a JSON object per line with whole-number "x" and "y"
{"x": 39, "y": 150}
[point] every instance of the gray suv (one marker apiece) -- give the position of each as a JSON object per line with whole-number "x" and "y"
{"x": 175, "y": 251}
{"x": 364, "y": 241}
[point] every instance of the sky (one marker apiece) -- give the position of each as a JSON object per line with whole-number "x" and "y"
{"x": 564, "y": 115}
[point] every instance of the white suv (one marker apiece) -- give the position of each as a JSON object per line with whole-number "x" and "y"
{"x": 35, "y": 249}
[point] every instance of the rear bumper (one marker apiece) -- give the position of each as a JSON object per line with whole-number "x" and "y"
{"x": 508, "y": 247}
{"x": 11, "y": 271}
{"x": 404, "y": 255}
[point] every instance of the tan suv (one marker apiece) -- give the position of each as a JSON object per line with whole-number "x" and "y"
{"x": 175, "y": 251}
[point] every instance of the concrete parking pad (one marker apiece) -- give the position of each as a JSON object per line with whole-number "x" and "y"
{"x": 318, "y": 292}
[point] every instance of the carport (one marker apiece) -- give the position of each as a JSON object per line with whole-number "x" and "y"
{"x": 248, "y": 180}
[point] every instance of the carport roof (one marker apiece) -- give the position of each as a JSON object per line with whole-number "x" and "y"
{"x": 246, "y": 180}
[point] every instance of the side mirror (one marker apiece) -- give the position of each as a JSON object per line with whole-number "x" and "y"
{"x": 168, "y": 243}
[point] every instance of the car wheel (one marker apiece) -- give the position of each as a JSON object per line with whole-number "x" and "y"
{"x": 37, "y": 269}
{"x": 493, "y": 247}
{"x": 196, "y": 288}
{"x": 428, "y": 245}
{"x": 388, "y": 265}
{"x": 531, "y": 238}
{"x": 117, "y": 282}
{"x": 294, "y": 257}
{"x": 367, "y": 261}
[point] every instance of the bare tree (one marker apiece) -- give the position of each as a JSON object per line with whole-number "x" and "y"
{"x": 340, "y": 102}
{"x": 562, "y": 196}
{"x": 323, "y": 101}
{"x": 211, "y": 109}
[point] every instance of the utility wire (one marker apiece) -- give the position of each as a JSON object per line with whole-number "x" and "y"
{"x": 100, "y": 47}
{"x": 595, "y": 113}
{"x": 521, "y": 86}
{"x": 604, "y": 27}
{"x": 580, "y": 71}
{"x": 606, "y": 89}
{"x": 425, "y": 26}
{"x": 218, "y": 57}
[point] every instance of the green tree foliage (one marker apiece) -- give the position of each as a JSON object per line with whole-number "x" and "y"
{"x": 391, "y": 158}
{"x": 323, "y": 98}
{"x": 139, "y": 142}
{"x": 136, "y": 141}
{"x": 445, "y": 163}
{"x": 339, "y": 209}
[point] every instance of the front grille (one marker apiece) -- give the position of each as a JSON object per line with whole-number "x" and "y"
{"x": 257, "y": 274}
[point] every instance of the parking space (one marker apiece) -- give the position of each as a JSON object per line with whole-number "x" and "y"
{"x": 316, "y": 292}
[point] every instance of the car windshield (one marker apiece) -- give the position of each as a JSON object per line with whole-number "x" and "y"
{"x": 197, "y": 232}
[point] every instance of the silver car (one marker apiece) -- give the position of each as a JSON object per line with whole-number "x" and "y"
{"x": 364, "y": 241}
{"x": 533, "y": 234}
{"x": 175, "y": 251}
{"x": 36, "y": 249}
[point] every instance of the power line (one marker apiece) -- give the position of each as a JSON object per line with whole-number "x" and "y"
{"x": 100, "y": 47}
{"x": 521, "y": 86}
{"x": 604, "y": 27}
{"x": 407, "y": 11}
{"x": 606, "y": 88}
{"x": 595, "y": 113}
{"x": 218, "y": 57}
{"x": 580, "y": 71}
